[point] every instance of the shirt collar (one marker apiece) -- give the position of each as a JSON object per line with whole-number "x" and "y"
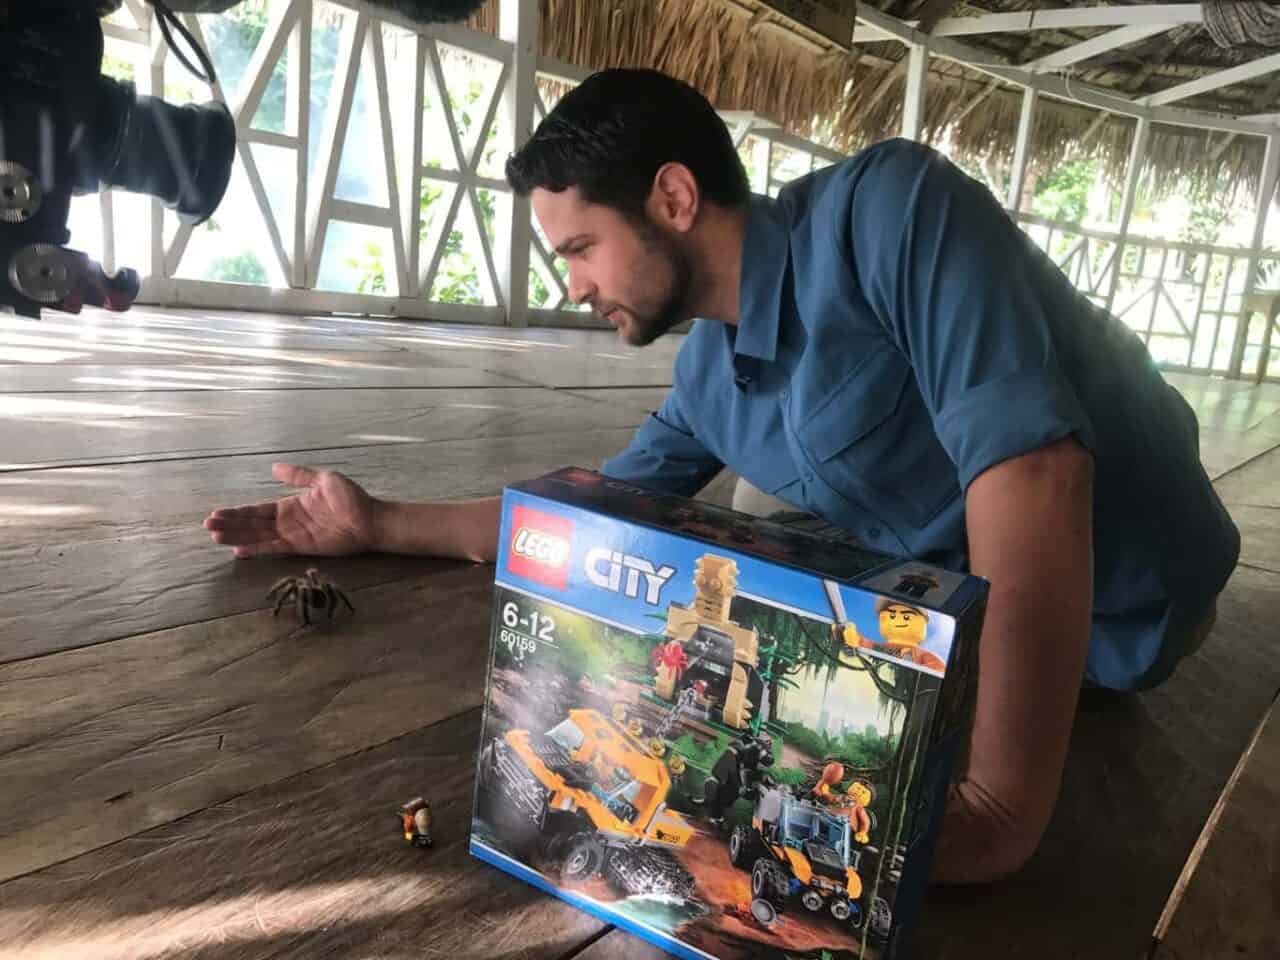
{"x": 766, "y": 252}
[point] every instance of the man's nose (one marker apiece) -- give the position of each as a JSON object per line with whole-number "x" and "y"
{"x": 580, "y": 289}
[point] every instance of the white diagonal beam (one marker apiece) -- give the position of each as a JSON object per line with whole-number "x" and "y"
{"x": 413, "y": 203}
{"x": 335, "y": 133}
{"x": 1117, "y": 15}
{"x": 446, "y": 106}
{"x": 1110, "y": 40}
{"x": 441, "y": 239}
{"x": 244, "y": 149}
{"x": 481, "y": 237}
{"x": 389, "y": 157}
{"x": 1216, "y": 80}
{"x": 473, "y": 164}
{"x": 266, "y": 55}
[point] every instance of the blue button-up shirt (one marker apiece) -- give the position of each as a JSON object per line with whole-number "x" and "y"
{"x": 898, "y": 334}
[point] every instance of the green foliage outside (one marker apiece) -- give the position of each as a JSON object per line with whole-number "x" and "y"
{"x": 373, "y": 273}
{"x": 1063, "y": 195}
{"x": 241, "y": 268}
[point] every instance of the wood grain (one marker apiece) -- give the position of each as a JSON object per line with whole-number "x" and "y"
{"x": 126, "y": 378}
{"x": 98, "y": 744}
{"x": 1252, "y": 496}
{"x": 313, "y": 866}
{"x": 645, "y": 399}
{"x": 67, "y": 429}
{"x": 85, "y": 559}
{"x": 1230, "y": 906}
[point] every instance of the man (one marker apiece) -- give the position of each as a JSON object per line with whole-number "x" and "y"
{"x": 883, "y": 348}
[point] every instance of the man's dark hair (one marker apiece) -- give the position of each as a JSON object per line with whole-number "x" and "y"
{"x": 609, "y": 136}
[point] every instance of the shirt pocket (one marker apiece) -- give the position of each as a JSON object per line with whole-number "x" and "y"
{"x": 872, "y": 440}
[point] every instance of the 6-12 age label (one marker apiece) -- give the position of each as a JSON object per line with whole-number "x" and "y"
{"x": 524, "y": 627}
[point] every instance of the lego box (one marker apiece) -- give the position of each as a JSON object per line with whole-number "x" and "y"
{"x": 726, "y": 735}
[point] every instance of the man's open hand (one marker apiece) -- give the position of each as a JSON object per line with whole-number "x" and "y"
{"x": 332, "y": 516}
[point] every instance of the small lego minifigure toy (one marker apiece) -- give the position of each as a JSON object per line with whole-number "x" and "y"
{"x": 415, "y": 817}
{"x": 829, "y": 783}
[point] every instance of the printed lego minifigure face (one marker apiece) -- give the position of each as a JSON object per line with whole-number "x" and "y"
{"x": 902, "y": 626}
{"x": 859, "y": 793}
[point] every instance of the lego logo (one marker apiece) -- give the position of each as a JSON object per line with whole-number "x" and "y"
{"x": 541, "y": 547}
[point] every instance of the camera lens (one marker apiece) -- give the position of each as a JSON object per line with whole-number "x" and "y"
{"x": 181, "y": 154}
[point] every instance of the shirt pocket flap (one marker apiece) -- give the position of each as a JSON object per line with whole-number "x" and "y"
{"x": 857, "y": 405}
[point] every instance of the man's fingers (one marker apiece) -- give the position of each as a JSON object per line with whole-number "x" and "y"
{"x": 258, "y": 511}
{"x": 294, "y": 475}
{"x": 237, "y": 536}
{"x": 261, "y": 549}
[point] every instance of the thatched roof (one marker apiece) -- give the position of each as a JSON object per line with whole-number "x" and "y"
{"x": 743, "y": 56}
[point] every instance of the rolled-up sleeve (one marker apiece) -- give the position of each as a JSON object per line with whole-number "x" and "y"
{"x": 970, "y": 301}
{"x": 664, "y": 453}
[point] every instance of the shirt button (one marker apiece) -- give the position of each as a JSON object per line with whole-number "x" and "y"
{"x": 808, "y": 476}
{"x": 874, "y": 533}
{"x": 783, "y": 394}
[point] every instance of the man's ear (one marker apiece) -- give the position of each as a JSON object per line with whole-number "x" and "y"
{"x": 674, "y": 199}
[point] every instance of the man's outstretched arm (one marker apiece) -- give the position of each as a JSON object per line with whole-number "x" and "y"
{"x": 332, "y": 515}
{"x": 1029, "y": 523}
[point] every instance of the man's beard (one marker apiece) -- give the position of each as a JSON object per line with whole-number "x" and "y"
{"x": 673, "y": 309}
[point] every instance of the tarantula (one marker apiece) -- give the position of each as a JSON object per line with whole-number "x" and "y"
{"x": 310, "y": 593}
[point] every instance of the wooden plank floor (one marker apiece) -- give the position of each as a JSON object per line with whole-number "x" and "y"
{"x": 1235, "y": 867}
{"x": 186, "y": 776}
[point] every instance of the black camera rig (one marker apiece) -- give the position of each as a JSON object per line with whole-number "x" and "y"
{"x": 66, "y": 129}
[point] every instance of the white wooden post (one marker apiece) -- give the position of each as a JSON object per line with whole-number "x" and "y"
{"x": 762, "y": 161}
{"x": 1131, "y": 177}
{"x": 298, "y": 123}
{"x": 151, "y": 82}
{"x": 518, "y": 25}
{"x": 913, "y": 104}
{"x": 1022, "y": 150}
{"x": 1266, "y": 193}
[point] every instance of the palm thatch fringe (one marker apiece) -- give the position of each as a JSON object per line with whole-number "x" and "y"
{"x": 747, "y": 61}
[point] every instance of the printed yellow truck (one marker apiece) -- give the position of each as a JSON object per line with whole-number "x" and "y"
{"x": 593, "y": 799}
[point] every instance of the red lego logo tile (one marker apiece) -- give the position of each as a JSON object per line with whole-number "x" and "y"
{"x": 541, "y": 544}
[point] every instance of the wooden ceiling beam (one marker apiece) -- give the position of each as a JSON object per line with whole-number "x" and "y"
{"x": 1116, "y": 15}
{"x": 1087, "y": 49}
{"x": 1215, "y": 81}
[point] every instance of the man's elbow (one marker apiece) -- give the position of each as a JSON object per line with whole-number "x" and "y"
{"x": 983, "y": 840}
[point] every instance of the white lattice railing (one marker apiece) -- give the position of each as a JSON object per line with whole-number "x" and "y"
{"x": 1185, "y": 300}
{"x": 368, "y": 178}
{"x": 367, "y": 174}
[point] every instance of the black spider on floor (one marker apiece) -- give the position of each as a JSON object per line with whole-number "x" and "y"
{"x": 312, "y": 593}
